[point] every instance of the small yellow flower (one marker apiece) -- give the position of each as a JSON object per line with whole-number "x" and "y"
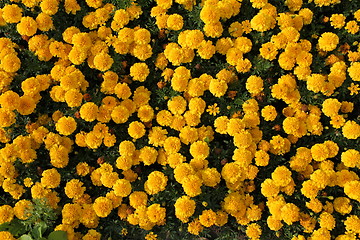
{"x": 354, "y": 89}
{"x": 213, "y": 109}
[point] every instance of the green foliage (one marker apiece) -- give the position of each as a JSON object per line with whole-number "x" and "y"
{"x": 38, "y": 225}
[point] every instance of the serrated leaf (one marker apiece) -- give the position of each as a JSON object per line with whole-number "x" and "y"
{"x": 58, "y": 235}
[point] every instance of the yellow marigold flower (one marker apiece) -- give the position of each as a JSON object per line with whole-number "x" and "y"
{"x": 12, "y": 13}
{"x": 7, "y": 117}
{"x": 352, "y": 27}
{"x": 199, "y": 149}
{"x": 157, "y": 136}
{"x": 342, "y": 205}
{"x": 9, "y": 100}
{"x": 156, "y": 214}
{"x": 10, "y": 63}
{"x": 172, "y": 145}
{"x": 351, "y": 158}
{"x": 145, "y": 113}
{"x": 213, "y": 109}
{"x": 196, "y": 105}
{"x": 221, "y": 218}
{"x": 177, "y": 105}
{"x": 148, "y": 155}
{"x": 6, "y": 213}
{"x": 331, "y": 107}
{"x": 352, "y": 189}
{"x": 139, "y": 71}
{"x": 69, "y": 33}
{"x": 209, "y": 13}
{"x": 89, "y": 111}
{"x": 122, "y": 188}
{"x": 320, "y": 152}
{"x": 206, "y": 49}
{"x": 310, "y": 189}
{"x": 195, "y": 227}
{"x": 6, "y": 235}
{"x": 82, "y": 169}
{"x": 352, "y": 224}
{"x": 126, "y": 148}
{"x": 151, "y": 236}
{"x": 211, "y": 177}
{"x": 94, "y": 3}
{"x": 269, "y": 188}
{"x": 92, "y": 235}
{"x": 274, "y": 223}
{"x": 281, "y": 176}
{"x": 155, "y": 183}
{"x": 136, "y": 130}
{"x": 164, "y": 118}
{"x": 66, "y": 125}
{"x": 351, "y": 130}
{"x": 74, "y": 189}
{"x": 142, "y": 36}
{"x": 261, "y": 158}
{"x": 231, "y": 172}
{"x": 218, "y": 87}
{"x": 138, "y": 199}
{"x": 82, "y": 40}
{"x": 50, "y": 178}
{"x": 290, "y": 213}
{"x": 188, "y": 135}
{"x": 207, "y": 218}
{"x": 262, "y": 22}
{"x": 192, "y": 185}
{"x": 337, "y": 20}
{"x": 44, "y": 22}
{"x": 142, "y": 51}
{"x": 234, "y": 204}
{"x": 49, "y": 7}
{"x": 71, "y": 6}
{"x": 73, "y": 98}
{"x": 184, "y": 208}
{"x": 254, "y": 85}
{"x": 327, "y": 221}
{"x": 22, "y": 209}
{"x": 28, "y": 182}
{"x": 183, "y": 170}
{"x": 120, "y": 114}
{"x": 354, "y": 72}
{"x": 103, "y": 61}
{"x": 27, "y": 26}
{"x": 108, "y": 179}
{"x": 328, "y": 41}
{"x": 2, "y": 21}
{"x": 124, "y": 162}
{"x": 258, "y": 3}
{"x": 269, "y": 113}
{"x": 120, "y": 20}
{"x": 193, "y": 38}
{"x": 314, "y": 205}
{"x": 102, "y": 206}
{"x": 279, "y": 145}
{"x": 253, "y": 231}
{"x": 175, "y": 22}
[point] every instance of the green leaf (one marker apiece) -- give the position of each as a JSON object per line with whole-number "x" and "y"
{"x": 25, "y": 237}
{"x": 58, "y": 235}
{"x": 15, "y": 227}
{"x": 39, "y": 229}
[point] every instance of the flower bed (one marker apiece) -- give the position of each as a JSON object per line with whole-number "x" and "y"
{"x": 184, "y": 119}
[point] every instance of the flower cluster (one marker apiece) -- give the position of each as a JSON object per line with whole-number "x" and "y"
{"x": 167, "y": 119}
